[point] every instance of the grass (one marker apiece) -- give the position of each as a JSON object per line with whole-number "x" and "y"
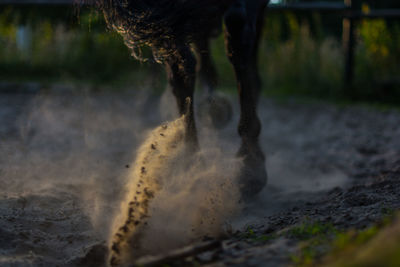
{"x": 314, "y": 237}
{"x": 378, "y": 245}
{"x": 324, "y": 245}
{"x": 250, "y": 234}
{"x": 308, "y": 230}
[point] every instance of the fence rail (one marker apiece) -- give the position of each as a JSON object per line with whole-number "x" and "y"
{"x": 36, "y": 2}
{"x": 317, "y": 6}
{"x": 345, "y": 9}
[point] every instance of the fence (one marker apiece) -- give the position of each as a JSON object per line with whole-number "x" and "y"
{"x": 347, "y": 10}
{"x": 350, "y": 16}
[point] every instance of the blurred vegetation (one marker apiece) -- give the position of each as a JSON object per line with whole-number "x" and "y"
{"x": 378, "y": 245}
{"x": 324, "y": 245}
{"x": 316, "y": 239}
{"x": 66, "y": 47}
{"x": 300, "y": 54}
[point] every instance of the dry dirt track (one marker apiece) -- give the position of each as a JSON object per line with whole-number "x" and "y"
{"x": 63, "y": 156}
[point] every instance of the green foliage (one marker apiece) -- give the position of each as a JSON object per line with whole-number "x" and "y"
{"x": 327, "y": 246}
{"x": 308, "y": 230}
{"x": 84, "y": 53}
{"x": 262, "y": 238}
{"x": 301, "y": 65}
{"x": 378, "y": 56}
{"x": 378, "y": 245}
{"x": 315, "y": 237}
{"x": 353, "y": 238}
{"x": 300, "y": 55}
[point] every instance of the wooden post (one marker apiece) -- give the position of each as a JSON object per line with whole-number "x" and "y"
{"x": 349, "y": 43}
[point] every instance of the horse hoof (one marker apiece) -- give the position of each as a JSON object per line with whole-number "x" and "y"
{"x": 215, "y": 111}
{"x": 252, "y": 178}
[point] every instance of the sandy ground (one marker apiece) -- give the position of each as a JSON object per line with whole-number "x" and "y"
{"x": 63, "y": 159}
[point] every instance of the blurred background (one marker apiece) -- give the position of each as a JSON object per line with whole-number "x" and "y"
{"x": 303, "y": 51}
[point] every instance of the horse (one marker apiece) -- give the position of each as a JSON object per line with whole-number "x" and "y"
{"x": 173, "y": 29}
{"x": 169, "y": 27}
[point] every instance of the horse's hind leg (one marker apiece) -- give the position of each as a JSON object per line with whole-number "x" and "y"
{"x": 181, "y": 71}
{"x": 206, "y": 70}
{"x": 214, "y": 109}
{"x": 243, "y": 26}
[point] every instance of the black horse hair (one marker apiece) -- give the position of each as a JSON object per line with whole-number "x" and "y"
{"x": 160, "y": 24}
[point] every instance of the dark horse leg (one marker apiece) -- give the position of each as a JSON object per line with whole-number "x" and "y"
{"x": 206, "y": 70}
{"x": 181, "y": 71}
{"x": 243, "y": 26}
{"x": 214, "y": 109}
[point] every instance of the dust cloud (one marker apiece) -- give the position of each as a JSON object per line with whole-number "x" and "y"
{"x": 74, "y": 160}
{"x": 91, "y": 148}
{"x": 174, "y": 196}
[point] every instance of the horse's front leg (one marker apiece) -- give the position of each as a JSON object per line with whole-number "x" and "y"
{"x": 243, "y": 25}
{"x": 181, "y": 71}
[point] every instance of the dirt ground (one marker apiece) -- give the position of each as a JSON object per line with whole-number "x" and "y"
{"x": 63, "y": 158}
